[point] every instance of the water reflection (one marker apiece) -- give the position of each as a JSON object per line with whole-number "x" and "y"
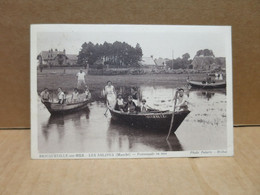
{"x": 207, "y": 93}
{"x": 127, "y": 138}
{"x": 58, "y": 122}
{"x": 90, "y": 130}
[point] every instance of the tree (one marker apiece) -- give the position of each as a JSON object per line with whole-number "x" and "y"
{"x": 116, "y": 54}
{"x": 186, "y": 56}
{"x": 205, "y": 52}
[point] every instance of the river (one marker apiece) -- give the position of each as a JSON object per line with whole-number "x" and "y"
{"x": 90, "y": 130}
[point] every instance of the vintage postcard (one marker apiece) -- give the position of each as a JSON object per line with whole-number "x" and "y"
{"x": 130, "y": 91}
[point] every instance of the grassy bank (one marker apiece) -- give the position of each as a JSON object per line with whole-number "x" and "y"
{"x": 69, "y": 81}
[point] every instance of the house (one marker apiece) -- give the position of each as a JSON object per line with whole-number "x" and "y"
{"x": 72, "y": 59}
{"x": 161, "y": 62}
{"x": 56, "y": 58}
{"x": 148, "y": 62}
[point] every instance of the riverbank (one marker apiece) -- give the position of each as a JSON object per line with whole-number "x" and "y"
{"x": 68, "y": 81}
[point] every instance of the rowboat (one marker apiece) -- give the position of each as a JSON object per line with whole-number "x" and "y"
{"x": 56, "y": 108}
{"x": 206, "y": 85}
{"x": 156, "y": 120}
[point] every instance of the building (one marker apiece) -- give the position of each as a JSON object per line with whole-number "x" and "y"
{"x": 57, "y": 58}
{"x": 161, "y": 62}
{"x": 148, "y": 62}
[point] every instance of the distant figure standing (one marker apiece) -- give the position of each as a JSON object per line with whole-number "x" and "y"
{"x": 61, "y": 96}
{"x": 110, "y": 94}
{"x": 45, "y": 95}
{"x": 81, "y": 79}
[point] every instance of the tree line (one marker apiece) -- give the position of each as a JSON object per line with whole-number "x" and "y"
{"x": 117, "y": 54}
{"x": 184, "y": 62}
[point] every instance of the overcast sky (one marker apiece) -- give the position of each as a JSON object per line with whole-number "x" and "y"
{"x": 159, "y": 41}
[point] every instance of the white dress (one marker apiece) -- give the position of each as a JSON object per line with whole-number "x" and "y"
{"x": 111, "y": 96}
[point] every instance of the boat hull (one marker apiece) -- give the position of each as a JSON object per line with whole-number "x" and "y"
{"x": 153, "y": 121}
{"x": 198, "y": 84}
{"x": 55, "y": 108}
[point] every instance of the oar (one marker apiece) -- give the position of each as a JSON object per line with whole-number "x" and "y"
{"x": 170, "y": 129}
{"x": 106, "y": 112}
{"x": 107, "y": 108}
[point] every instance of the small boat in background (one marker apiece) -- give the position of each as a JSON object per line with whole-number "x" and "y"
{"x": 206, "y": 85}
{"x": 154, "y": 120}
{"x": 56, "y": 108}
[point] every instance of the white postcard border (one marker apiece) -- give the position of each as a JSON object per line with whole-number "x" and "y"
{"x": 106, "y": 155}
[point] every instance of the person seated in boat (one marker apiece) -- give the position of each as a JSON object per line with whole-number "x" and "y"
{"x": 45, "y": 95}
{"x": 61, "y": 96}
{"x": 119, "y": 103}
{"x": 143, "y": 106}
{"x": 75, "y": 96}
{"x": 130, "y": 106}
{"x": 220, "y": 76}
{"x": 110, "y": 94}
{"x": 87, "y": 93}
{"x": 181, "y": 102}
{"x": 208, "y": 79}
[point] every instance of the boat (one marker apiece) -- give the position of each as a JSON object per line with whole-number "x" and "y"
{"x": 56, "y": 108}
{"x": 206, "y": 85}
{"x": 154, "y": 120}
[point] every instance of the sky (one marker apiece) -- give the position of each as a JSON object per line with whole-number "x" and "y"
{"x": 159, "y": 41}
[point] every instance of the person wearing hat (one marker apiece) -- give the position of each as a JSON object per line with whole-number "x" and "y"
{"x": 143, "y": 106}
{"x": 81, "y": 79}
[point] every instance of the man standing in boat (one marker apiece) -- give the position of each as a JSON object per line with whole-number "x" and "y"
{"x": 81, "y": 79}
{"x": 182, "y": 103}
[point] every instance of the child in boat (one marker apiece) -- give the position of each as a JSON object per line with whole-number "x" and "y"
{"x": 182, "y": 103}
{"x": 87, "y": 93}
{"x": 143, "y": 106}
{"x": 75, "y": 96}
{"x": 61, "y": 96}
{"x": 119, "y": 103}
{"x": 130, "y": 106}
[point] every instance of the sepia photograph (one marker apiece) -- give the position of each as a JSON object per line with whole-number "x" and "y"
{"x": 130, "y": 91}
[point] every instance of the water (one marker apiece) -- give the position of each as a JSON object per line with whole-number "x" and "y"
{"x": 91, "y": 131}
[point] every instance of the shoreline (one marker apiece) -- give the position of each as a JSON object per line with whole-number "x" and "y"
{"x": 97, "y": 82}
